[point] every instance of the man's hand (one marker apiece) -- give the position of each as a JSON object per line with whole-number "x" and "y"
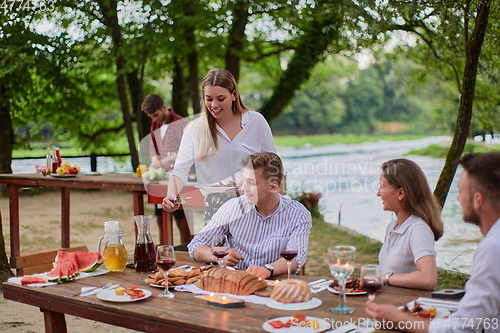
{"x": 260, "y": 271}
{"x": 168, "y": 204}
{"x": 233, "y": 258}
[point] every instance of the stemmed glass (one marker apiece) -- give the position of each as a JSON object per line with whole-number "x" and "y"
{"x": 165, "y": 259}
{"x": 220, "y": 248}
{"x": 341, "y": 266}
{"x": 289, "y": 252}
{"x": 371, "y": 280}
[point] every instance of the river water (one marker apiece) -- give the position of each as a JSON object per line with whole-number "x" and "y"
{"x": 347, "y": 176}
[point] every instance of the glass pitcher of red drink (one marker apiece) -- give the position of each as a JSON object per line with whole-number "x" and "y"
{"x": 144, "y": 254}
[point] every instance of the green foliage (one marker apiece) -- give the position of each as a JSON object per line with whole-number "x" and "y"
{"x": 440, "y": 151}
{"x": 309, "y": 199}
{"x": 328, "y": 139}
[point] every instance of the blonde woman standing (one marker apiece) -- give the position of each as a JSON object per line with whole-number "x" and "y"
{"x": 407, "y": 258}
{"x": 216, "y": 143}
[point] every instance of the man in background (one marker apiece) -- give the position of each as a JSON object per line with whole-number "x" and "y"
{"x": 166, "y": 133}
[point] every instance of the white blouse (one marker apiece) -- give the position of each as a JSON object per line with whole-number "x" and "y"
{"x": 403, "y": 247}
{"x": 254, "y": 137}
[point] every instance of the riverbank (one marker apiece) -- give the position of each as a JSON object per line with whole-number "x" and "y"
{"x": 40, "y": 230}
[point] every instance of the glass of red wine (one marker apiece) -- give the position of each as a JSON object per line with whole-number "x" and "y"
{"x": 165, "y": 259}
{"x": 290, "y": 251}
{"x": 220, "y": 248}
{"x": 371, "y": 280}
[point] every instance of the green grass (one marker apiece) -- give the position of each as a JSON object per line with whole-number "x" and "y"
{"x": 325, "y": 234}
{"x": 328, "y": 139}
{"x": 440, "y": 150}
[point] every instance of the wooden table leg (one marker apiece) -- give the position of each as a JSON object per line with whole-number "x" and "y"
{"x": 65, "y": 216}
{"x": 166, "y": 236}
{"x": 138, "y": 202}
{"x": 55, "y": 322}
{"x": 15, "y": 246}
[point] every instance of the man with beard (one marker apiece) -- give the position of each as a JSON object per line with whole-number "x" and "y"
{"x": 479, "y": 310}
{"x": 166, "y": 134}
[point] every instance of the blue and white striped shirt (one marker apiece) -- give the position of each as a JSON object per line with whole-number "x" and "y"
{"x": 259, "y": 239}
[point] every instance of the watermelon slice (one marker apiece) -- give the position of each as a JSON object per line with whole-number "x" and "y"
{"x": 54, "y": 275}
{"x": 68, "y": 265}
{"x": 88, "y": 261}
{"x": 25, "y": 280}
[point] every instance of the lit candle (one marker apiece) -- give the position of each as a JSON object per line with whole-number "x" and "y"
{"x": 277, "y": 282}
{"x": 211, "y": 296}
{"x": 225, "y": 300}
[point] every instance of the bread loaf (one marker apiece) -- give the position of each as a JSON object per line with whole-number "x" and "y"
{"x": 222, "y": 280}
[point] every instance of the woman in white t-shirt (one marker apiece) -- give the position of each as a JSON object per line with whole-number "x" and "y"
{"x": 407, "y": 258}
{"x": 216, "y": 142}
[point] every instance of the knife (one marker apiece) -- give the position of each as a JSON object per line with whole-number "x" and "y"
{"x": 90, "y": 291}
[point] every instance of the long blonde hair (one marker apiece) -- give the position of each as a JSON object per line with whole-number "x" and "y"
{"x": 207, "y": 129}
{"x": 418, "y": 199}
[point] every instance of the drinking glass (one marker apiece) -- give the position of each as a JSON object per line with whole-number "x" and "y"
{"x": 165, "y": 259}
{"x": 341, "y": 266}
{"x": 371, "y": 280}
{"x": 220, "y": 248}
{"x": 289, "y": 252}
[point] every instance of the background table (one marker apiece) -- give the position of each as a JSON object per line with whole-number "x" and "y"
{"x": 127, "y": 182}
{"x": 184, "y": 313}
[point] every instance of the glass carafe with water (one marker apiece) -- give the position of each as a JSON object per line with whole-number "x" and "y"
{"x": 112, "y": 248}
{"x": 144, "y": 254}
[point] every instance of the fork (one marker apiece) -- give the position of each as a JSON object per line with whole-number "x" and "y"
{"x": 321, "y": 285}
{"x": 93, "y": 289}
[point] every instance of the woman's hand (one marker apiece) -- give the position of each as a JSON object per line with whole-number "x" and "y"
{"x": 260, "y": 271}
{"x": 168, "y": 204}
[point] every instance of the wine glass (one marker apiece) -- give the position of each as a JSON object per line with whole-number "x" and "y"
{"x": 371, "y": 280}
{"x": 220, "y": 248}
{"x": 165, "y": 259}
{"x": 289, "y": 252}
{"x": 341, "y": 266}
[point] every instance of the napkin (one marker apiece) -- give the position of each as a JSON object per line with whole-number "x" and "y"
{"x": 17, "y": 280}
{"x": 320, "y": 287}
{"x": 352, "y": 328}
{"x": 98, "y": 290}
{"x": 195, "y": 290}
{"x": 440, "y": 303}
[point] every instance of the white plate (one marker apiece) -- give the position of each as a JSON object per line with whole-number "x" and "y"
{"x": 160, "y": 286}
{"x": 109, "y": 295}
{"x": 350, "y": 293}
{"x": 92, "y": 173}
{"x": 55, "y": 175}
{"x": 206, "y": 190}
{"x": 323, "y": 325}
{"x": 440, "y": 312}
{"x": 311, "y": 304}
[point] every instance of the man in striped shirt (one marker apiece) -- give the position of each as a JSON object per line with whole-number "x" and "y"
{"x": 259, "y": 224}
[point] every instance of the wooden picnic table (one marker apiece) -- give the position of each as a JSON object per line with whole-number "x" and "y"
{"x": 184, "y": 313}
{"x": 117, "y": 181}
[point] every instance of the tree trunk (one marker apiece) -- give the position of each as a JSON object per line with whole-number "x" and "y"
{"x": 109, "y": 12}
{"x": 472, "y": 53}
{"x": 179, "y": 100}
{"x": 5, "y": 271}
{"x": 311, "y": 48}
{"x": 237, "y": 38}
{"x": 135, "y": 85}
{"x": 6, "y": 137}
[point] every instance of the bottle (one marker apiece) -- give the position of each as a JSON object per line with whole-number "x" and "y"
{"x": 56, "y": 159}
{"x": 112, "y": 248}
{"x": 48, "y": 160}
{"x": 144, "y": 254}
